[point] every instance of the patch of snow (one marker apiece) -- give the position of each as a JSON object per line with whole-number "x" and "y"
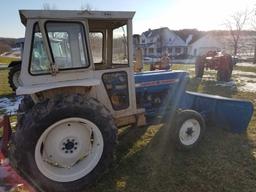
{"x": 248, "y": 87}
{"x": 246, "y": 64}
{"x": 226, "y": 84}
{"x": 9, "y": 105}
{"x": 244, "y": 73}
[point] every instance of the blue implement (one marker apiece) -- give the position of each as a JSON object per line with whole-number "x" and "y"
{"x": 162, "y": 91}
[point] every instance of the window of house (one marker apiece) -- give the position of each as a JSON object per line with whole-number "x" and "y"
{"x": 150, "y": 50}
{"x": 178, "y": 50}
{"x": 143, "y": 41}
{"x": 145, "y": 51}
{"x": 120, "y": 48}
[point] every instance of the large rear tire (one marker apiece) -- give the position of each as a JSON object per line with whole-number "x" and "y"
{"x": 224, "y": 75}
{"x": 64, "y": 144}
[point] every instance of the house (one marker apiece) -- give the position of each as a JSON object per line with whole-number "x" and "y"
{"x": 159, "y": 41}
{"x": 204, "y": 44}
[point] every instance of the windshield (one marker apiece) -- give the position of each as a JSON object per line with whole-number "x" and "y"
{"x": 66, "y": 45}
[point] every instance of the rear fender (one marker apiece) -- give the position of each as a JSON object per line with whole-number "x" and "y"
{"x": 233, "y": 114}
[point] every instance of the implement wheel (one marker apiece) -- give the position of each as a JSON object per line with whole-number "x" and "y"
{"x": 189, "y": 129}
{"x": 64, "y": 144}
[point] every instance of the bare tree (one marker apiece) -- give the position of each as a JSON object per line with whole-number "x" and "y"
{"x": 87, "y": 7}
{"x": 47, "y": 6}
{"x": 235, "y": 25}
{"x": 253, "y": 23}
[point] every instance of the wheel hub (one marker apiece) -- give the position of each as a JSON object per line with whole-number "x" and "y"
{"x": 190, "y": 131}
{"x": 69, "y": 145}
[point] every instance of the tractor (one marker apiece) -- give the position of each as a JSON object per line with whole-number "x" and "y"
{"x": 219, "y": 61}
{"x": 78, "y": 87}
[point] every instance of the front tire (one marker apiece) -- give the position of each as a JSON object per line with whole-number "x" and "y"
{"x": 188, "y": 130}
{"x": 65, "y": 144}
{"x": 14, "y": 77}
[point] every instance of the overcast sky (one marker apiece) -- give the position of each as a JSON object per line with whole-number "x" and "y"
{"x": 175, "y": 14}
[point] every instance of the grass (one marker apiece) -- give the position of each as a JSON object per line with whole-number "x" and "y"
{"x": 7, "y": 60}
{"x": 4, "y": 85}
{"x": 147, "y": 161}
{"x": 246, "y": 68}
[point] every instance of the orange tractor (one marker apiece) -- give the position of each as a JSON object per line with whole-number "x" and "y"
{"x": 215, "y": 60}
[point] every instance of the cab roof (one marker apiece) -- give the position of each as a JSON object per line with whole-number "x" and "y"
{"x": 68, "y": 14}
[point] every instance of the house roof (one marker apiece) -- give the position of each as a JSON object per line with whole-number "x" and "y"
{"x": 209, "y": 40}
{"x": 177, "y": 41}
{"x": 154, "y": 32}
{"x": 184, "y": 33}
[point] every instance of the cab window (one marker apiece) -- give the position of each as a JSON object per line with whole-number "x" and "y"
{"x": 96, "y": 41}
{"x": 67, "y": 47}
{"x": 39, "y": 62}
{"x": 119, "y": 50}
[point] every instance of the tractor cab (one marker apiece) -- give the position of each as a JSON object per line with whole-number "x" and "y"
{"x": 79, "y": 51}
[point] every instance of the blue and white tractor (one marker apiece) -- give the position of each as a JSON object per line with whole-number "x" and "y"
{"x": 79, "y": 86}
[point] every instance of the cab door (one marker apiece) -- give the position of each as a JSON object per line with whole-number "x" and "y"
{"x": 112, "y": 58}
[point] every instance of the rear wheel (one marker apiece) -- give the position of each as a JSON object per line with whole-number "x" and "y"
{"x": 189, "y": 129}
{"x": 225, "y": 69}
{"x": 67, "y": 143}
{"x": 224, "y": 75}
{"x": 199, "y": 68}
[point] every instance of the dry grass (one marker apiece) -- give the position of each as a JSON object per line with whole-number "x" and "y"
{"x": 4, "y": 85}
{"x": 7, "y": 60}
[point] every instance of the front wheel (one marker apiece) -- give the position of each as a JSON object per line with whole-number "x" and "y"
{"x": 65, "y": 144}
{"x": 188, "y": 130}
{"x": 14, "y": 77}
